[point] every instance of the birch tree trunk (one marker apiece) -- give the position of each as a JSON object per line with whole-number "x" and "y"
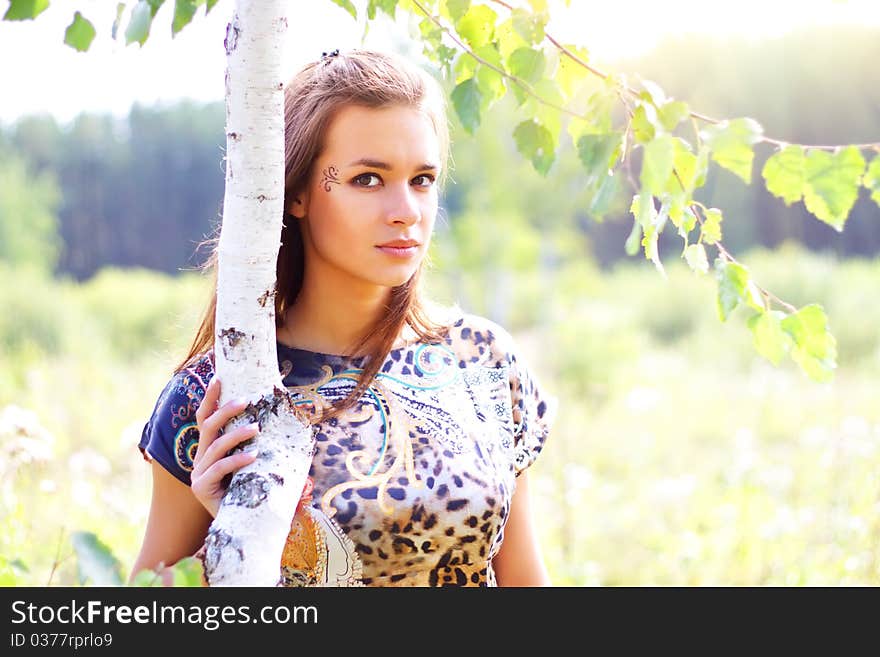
{"x": 246, "y": 539}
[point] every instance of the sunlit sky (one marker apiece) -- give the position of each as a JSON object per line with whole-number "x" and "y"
{"x": 38, "y": 73}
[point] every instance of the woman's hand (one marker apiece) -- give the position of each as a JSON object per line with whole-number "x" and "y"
{"x": 211, "y": 464}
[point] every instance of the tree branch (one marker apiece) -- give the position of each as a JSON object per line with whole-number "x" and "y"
{"x": 696, "y": 115}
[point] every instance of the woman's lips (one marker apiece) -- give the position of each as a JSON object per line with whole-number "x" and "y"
{"x": 400, "y": 251}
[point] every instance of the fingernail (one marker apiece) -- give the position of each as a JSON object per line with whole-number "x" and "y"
{"x": 254, "y": 426}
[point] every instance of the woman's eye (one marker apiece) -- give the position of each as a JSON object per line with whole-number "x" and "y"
{"x": 424, "y": 180}
{"x": 367, "y": 180}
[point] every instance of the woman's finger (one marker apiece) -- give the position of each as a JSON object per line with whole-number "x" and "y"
{"x": 212, "y": 477}
{"x": 227, "y": 441}
{"x": 214, "y": 422}
{"x": 209, "y": 402}
{"x": 210, "y": 428}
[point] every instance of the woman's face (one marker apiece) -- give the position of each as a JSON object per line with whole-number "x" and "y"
{"x": 368, "y": 211}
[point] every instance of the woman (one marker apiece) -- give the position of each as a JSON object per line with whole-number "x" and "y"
{"x": 425, "y": 420}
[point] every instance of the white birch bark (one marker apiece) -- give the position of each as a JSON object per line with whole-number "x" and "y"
{"x": 246, "y": 539}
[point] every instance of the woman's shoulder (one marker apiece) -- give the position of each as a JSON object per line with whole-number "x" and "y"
{"x": 190, "y": 380}
{"x": 170, "y": 435}
{"x": 475, "y": 338}
{"x": 198, "y": 369}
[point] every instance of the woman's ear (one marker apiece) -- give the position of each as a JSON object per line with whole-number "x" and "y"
{"x": 299, "y": 205}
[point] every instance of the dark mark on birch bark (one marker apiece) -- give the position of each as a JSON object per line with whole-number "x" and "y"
{"x": 230, "y": 338}
{"x": 261, "y": 198}
{"x": 216, "y": 543}
{"x": 266, "y": 297}
{"x": 234, "y": 136}
{"x": 278, "y": 479}
{"x": 258, "y": 412}
{"x": 232, "y": 32}
{"x": 249, "y": 490}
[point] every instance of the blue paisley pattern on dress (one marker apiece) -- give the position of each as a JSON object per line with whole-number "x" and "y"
{"x": 420, "y": 473}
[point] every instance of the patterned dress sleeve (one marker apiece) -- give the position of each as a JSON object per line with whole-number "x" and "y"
{"x": 532, "y": 408}
{"x": 533, "y": 413}
{"x": 171, "y": 436}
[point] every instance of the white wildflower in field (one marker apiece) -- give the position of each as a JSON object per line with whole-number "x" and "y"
{"x": 23, "y": 439}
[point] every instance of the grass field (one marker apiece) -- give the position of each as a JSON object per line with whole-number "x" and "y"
{"x": 679, "y": 456}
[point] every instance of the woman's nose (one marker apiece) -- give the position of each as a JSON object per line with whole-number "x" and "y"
{"x": 404, "y": 207}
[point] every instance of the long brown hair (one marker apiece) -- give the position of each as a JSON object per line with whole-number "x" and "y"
{"x": 311, "y": 99}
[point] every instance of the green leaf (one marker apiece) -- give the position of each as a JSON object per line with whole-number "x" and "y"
{"x": 210, "y": 5}
{"x": 432, "y": 38}
{"x": 735, "y": 286}
{"x": 21, "y": 10}
{"x": 657, "y": 164}
{"x": 650, "y": 241}
{"x": 872, "y": 179}
{"x": 527, "y": 64}
{"x": 508, "y": 39}
{"x": 689, "y": 220}
{"x": 528, "y": 25}
{"x": 652, "y": 230}
{"x": 598, "y": 153}
{"x": 491, "y": 85}
{"x": 598, "y": 121}
{"x": 652, "y": 93}
{"x": 605, "y": 193}
{"x": 544, "y": 112}
{"x": 570, "y": 74}
{"x": 710, "y": 232}
{"x": 672, "y": 113}
{"x": 815, "y": 349}
{"x": 184, "y": 10}
{"x": 731, "y": 144}
{"x": 784, "y": 174}
{"x": 771, "y": 341}
{"x": 95, "y": 562}
{"x": 139, "y": 24}
{"x": 120, "y": 8}
{"x": 455, "y": 9}
{"x": 465, "y": 67}
{"x": 490, "y": 81}
{"x": 466, "y": 99}
{"x": 685, "y": 165}
{"x": 695, "y": 255}
{"x": 644, "y": 123}
{"x": 11, "y": 571}
{"x": 80, "y": 33}
{"x": 536, "y": 143}
{"x": 154, "y": 6}
{"x": 477, "y": 26}
{"x": 632, "y": 242}
{"x": 387, "y": 6}
{"x": 646, "y": 211}
{"x": 188, "y": 572}
{"x": 832, "y": 184}
{"x": 348, "y": 5}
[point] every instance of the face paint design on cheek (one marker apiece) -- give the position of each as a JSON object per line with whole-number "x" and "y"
{"x": 331, "y": 175}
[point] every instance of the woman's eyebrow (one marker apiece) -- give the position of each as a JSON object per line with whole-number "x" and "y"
{"x": 379, "y": 164}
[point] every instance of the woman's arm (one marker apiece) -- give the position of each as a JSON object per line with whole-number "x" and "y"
{"x": 519, "y": 561}
{"x": 177, "y": 525}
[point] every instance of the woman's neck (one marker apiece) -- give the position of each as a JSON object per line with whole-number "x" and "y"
{"x": 332, "y": 316}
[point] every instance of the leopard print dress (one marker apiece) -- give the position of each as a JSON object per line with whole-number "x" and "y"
{"x": 418, "y": 476}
